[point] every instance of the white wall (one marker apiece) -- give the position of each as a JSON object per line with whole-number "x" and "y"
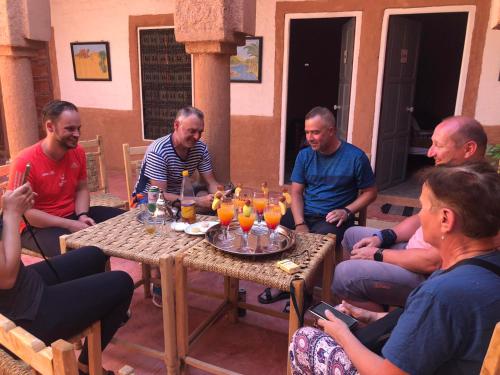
{"x": 94, "y": 20}
{"x": 254, "y": 98}
{"x": 488, "y": 96}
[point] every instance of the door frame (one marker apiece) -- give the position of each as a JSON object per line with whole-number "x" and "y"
{"x": 284, "y": 87}
{"x": 464, "y": 68}
{"x": 141, "y": 109}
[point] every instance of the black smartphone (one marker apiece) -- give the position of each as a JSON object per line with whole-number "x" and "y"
{"x": 319, "y": 311}
{"x": 26, "y": 174}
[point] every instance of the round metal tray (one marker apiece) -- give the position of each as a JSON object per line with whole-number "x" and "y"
{"x": 259, "y": 245}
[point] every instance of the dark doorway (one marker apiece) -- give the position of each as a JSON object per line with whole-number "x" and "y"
{"x": 318, "y": 50}
{"x": 421, "y": 76}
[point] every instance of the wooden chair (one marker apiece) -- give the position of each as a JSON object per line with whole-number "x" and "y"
{"x": 97, "y": 177}
{"x": 132, "y": 159}
{"x": 491, "y": 362}
{"x": 57, "y": 359}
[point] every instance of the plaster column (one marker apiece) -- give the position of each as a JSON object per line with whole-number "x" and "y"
{"x": 18, "y": 96}
{"x": 211, "y": 30}
{"x": 24, "y": 25}
{"x": 212, "y": 96}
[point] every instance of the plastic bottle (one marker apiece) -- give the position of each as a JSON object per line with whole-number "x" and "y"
{"x": 188, "y": 209}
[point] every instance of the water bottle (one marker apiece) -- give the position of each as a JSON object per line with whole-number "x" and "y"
{"x": 188, "y": 209}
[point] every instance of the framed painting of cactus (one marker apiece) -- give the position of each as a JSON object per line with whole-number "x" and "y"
{"x": 91, "y": 61}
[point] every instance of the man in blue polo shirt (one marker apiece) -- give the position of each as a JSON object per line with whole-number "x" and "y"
{"x": 331, "y": 181}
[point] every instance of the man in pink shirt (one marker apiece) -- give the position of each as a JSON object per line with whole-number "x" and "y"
{"x": 58, "y": 176}
{"x": 384, "y": 266}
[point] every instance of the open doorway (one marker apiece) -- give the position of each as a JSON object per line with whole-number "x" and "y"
{"x": 422, "y": 72}
{"x": 320, "y": 67}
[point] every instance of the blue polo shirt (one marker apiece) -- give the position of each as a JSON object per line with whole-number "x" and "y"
{"x": 332, "y": 181}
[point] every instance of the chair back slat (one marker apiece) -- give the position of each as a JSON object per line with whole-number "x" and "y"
{"x": 132, "y": 159}
{"x": 97, "y": 178}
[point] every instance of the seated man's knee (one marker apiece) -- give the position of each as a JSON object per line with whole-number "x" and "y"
{"x": 341, "y": 279}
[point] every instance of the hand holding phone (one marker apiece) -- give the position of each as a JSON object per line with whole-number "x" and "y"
{"x": 26, "y": 174}
{"x": 319, "y": 311}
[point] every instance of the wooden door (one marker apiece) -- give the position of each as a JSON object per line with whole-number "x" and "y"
{"x": 345, "y": 78}
{"x": 400, "y": 73}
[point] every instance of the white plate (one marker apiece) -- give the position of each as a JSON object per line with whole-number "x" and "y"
{"x": 200, "y": 228}
{"x": 179, "y": 226}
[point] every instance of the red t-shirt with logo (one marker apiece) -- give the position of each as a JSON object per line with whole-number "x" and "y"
{"x": 55, "y": 182}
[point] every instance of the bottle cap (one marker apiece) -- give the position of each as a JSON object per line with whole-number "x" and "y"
{"x": 185, "y": 173}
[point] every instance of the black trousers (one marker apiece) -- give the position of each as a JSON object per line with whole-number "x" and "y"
{"x": 318, "y": 224}
{"x": 85, "y": 295}
{"x": 48, "y": 238}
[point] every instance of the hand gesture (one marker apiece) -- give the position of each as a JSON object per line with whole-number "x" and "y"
{"x": 76, "y": 225}
{"x": 372, "y": 241}
{"x": 363, "y": 253}
{"x": 19, "y": 200}
{"x": 205, "y": 201}
{"x": 86, "y": 220}
{"x": 335, "y": 327}
{"x": 337, "y": 216}
{"x": 363, "y": 315}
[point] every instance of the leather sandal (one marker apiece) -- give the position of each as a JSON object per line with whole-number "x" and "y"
{"x": 266, "y": 296}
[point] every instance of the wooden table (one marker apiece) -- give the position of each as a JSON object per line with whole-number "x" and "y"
{"x": 309, "y": 252}
{"x": 124, "y": 237}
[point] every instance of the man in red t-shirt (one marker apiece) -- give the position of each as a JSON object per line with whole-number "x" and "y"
{"x": 58, "y": 176}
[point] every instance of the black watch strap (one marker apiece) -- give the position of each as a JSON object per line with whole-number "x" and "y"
{"x": 348, "y": 211}
{"x": 81, "y": 214}
{"x": 378, "y": 256}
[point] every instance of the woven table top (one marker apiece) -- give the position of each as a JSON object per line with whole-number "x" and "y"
{"x": 124, "y": 237}
{"x": 308, "y": 253}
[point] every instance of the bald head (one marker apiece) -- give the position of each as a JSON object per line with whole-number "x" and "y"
{"x": 458, "y": 139}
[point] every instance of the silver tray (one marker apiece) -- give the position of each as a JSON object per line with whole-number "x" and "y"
{"x": 257, "y": 244}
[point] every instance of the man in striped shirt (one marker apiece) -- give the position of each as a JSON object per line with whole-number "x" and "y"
{"x": 168, "y": 156}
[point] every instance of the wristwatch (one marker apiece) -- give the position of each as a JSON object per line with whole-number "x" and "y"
{"x": 378, "y": 256}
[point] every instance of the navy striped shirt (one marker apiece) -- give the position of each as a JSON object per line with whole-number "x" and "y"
{"x": 162, "y": 163}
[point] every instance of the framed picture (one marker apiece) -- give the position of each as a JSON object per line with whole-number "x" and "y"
{"x": 91, "y": 61}
{"x": 246, "y": 65}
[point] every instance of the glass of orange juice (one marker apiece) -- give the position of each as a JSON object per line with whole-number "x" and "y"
{"x": 225, "y": 213}
{"x": 246, "y": 223}
{"x": 259, "y": 203}
{"x": 272, "y": 216}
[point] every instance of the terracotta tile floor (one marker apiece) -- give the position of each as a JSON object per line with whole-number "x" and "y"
{"x": 255, "y": 345}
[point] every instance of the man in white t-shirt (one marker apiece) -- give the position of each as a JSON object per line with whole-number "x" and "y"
{"x": 384, "y": 266}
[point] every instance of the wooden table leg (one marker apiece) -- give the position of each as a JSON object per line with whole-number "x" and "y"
{"x": 231, "y": 286}
{"x": 169, "y": 331}
{"x": 181, "y": 309}
{"x": 328, "y": 268}
{"x": 294, "y": 323}
{"x": 146, "y": 279}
